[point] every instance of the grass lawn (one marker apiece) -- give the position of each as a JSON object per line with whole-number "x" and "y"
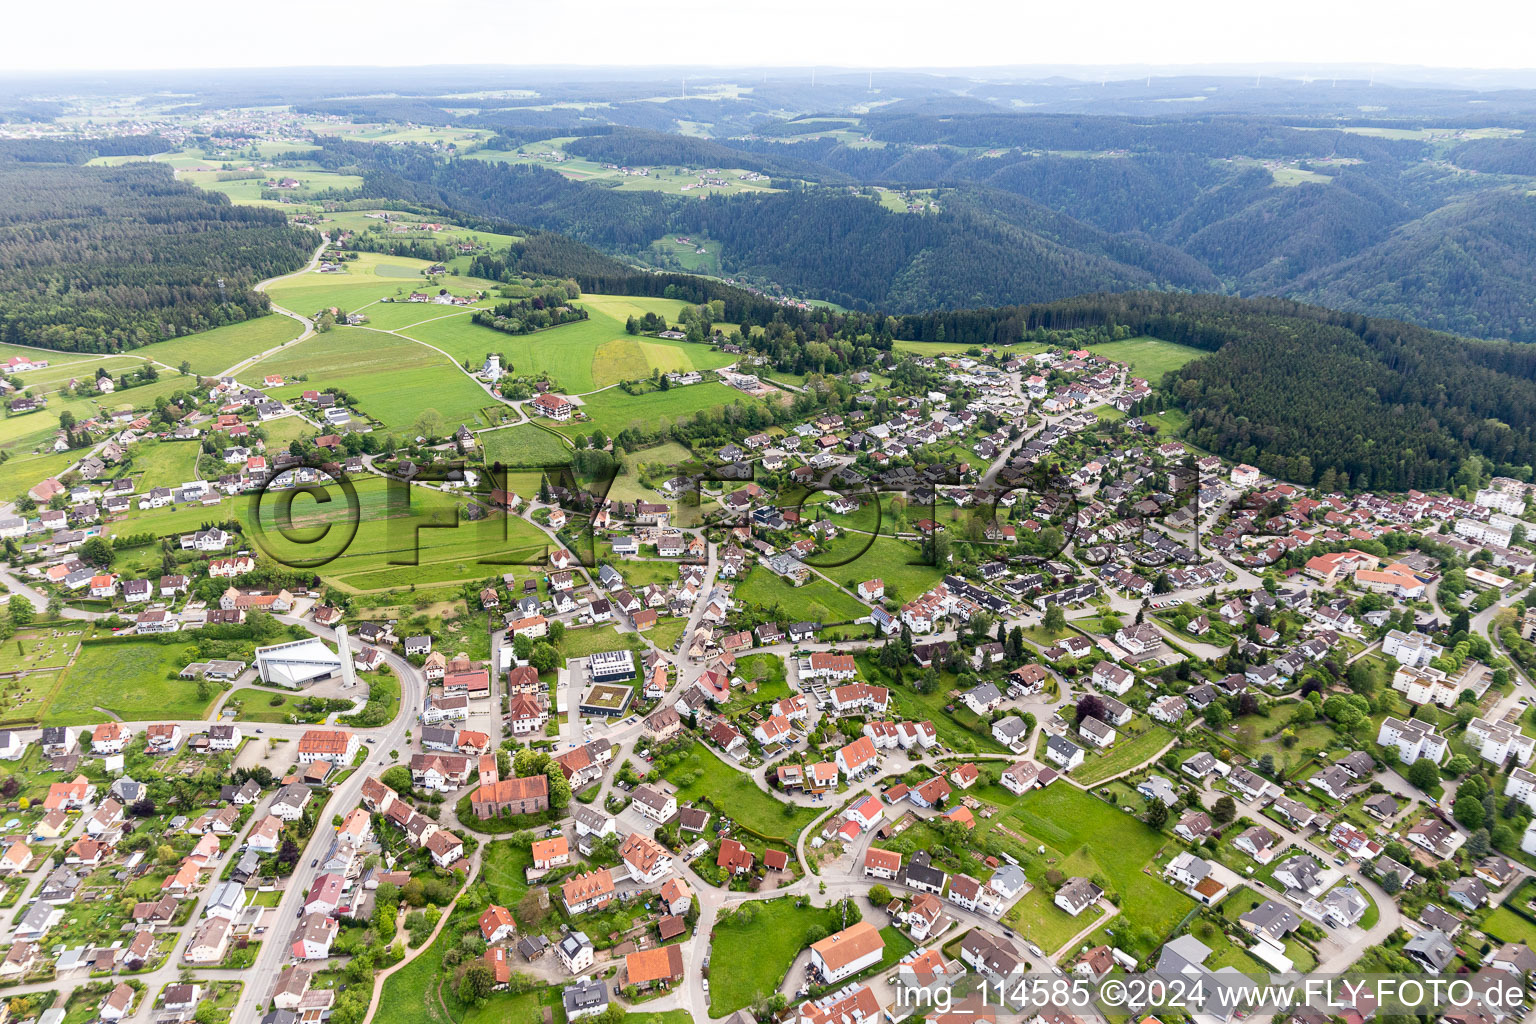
{"x": 21, "y": 471}
{"x": 503, "y": 866}
{"x": 1124, "y": 755}
{"x": 508, "y": 1008}
{"x": 760, "y": 943}
{"x": 525, "y": 444}
{"x": 1509, "y": 926}
{"x": 256, "y": 704}
{"x": 817, "y": 600}
{"x": 1044, "y": 923}
{"x": 639, "y": 573}
{"x": 412, "y": 995}
{"x": 1088, "y": 835}
{"x": 1148, "y": 357}
{"x": 735, "y": 795}
{"x": 578, "y": 643}
{"x": 130, "y": 680}
{"x": 1249, "y": 733}
{"x": 859, "y": 557}
{"x": 666, "y": 632}
{"x": 1225, "y": 953}
{"x": 627, "y": 486}
{"x": 919, "y": 706}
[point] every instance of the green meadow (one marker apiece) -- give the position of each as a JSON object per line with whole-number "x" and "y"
{"x": 580, "y": 357}
{"x": 1149, "y": 358}
{"x": 393, "y": 379}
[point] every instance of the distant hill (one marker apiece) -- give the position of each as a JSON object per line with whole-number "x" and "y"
{"x": 1461, "y": 268}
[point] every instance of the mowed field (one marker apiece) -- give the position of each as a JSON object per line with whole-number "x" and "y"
{"x": 163, "y": 463}
{"x": 213, "y": 352}
{"x": 1148, "y": 357}
{"x": 1085, "y": 836}
{"x": 579, "y": 357}
{"x": 524, "y": 445}
{"x": 248, "y": 191}
{"x": 393, "y": 379}
{"x": 614, "y": 409}
{"x": 369, "y": 278}
{"x": 133, "y": 680}
{"x": 403, "y": 536}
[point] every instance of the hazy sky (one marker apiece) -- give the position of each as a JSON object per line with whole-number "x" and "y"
{"x": 107, "y": 34}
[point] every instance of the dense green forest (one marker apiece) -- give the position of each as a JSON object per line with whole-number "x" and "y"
{"x": 103, "y": 259}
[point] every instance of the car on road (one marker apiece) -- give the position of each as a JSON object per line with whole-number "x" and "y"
{"x": 1036, "y": 950}
{"x": 368, "y": 740}
{"x": 315, "y": 862}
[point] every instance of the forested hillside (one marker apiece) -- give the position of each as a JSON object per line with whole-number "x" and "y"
{"x": 106, "y": 259}
{"x": 1034, "y": 207}
{"x": 1460, "y": 268}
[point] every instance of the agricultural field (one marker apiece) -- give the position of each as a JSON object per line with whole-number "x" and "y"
{"x": 213, "y": 352}
{"x": 581, "y": 356}
{"x": 367, "y": 280}
{"x": 524, "y": 444}
{"x": 415, "y": 227}
{"x": 687, "y": 254}
{"x": 673, "y": 180}
{"x": 613, "y": 410}
{"x": 1148, "y": 357}
{"x": 133, "y": 680}
{"x": 402, "y": 538}
{"x": 954, "y": 348}
{"x": 248, "y": 191}
{"x": 394, "y": 380}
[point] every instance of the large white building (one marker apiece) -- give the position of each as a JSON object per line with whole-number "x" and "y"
{"x": 297, "y": 663}
{"x": 1510, "y": 502}
{"x": 1412, "y": 739}
{"x": 1497, "y": 741}
{"x": 1483, "y": 533}
{"x": 1412, "y": 649}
